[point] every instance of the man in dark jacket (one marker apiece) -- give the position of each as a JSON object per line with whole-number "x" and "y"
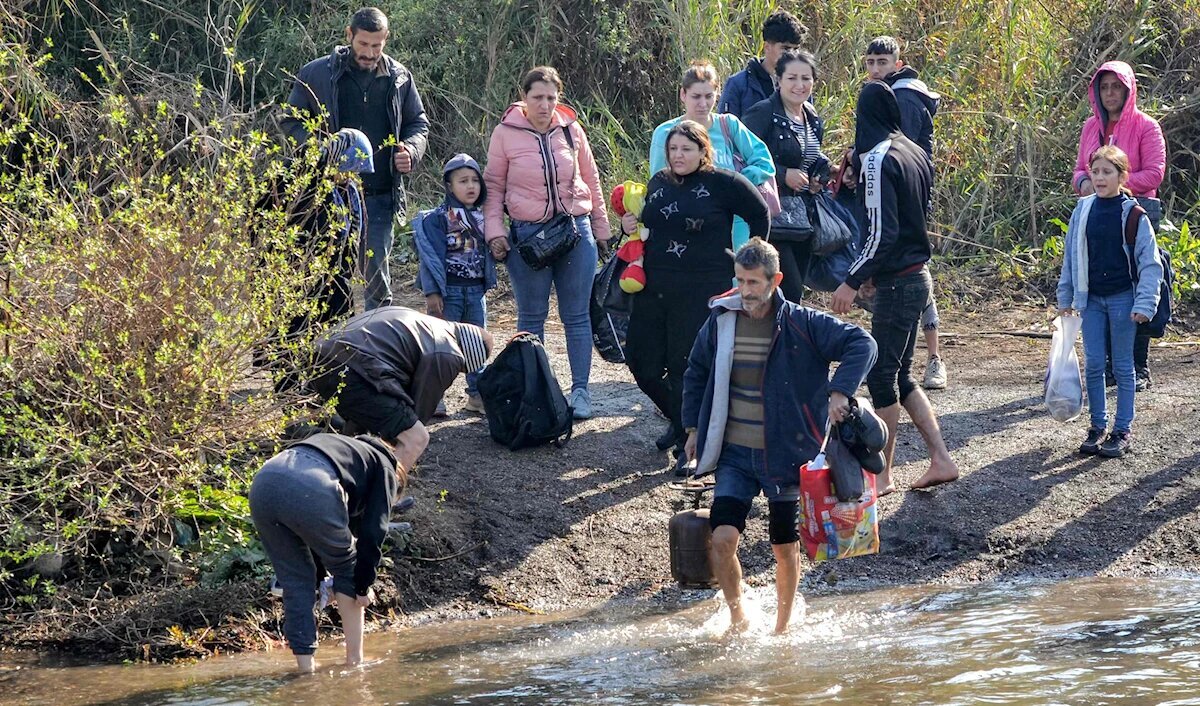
{"x": 359, "y": 86}
{"x": 781, "y": 32}
{"x": 389, "y": 367}
{"x": 918, "y": 106}
{"x": 756, "y": 395}
{"x": 897, "y": 179}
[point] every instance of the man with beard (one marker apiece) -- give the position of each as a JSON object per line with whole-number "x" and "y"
{"x": 758, "y": 378}
{"x": 897, "y": 179}
{"x": 359, "y": 86}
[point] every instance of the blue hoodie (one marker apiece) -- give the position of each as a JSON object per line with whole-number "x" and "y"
{"x": 431, "y": 228}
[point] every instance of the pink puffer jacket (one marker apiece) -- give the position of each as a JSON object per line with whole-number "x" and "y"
{"x": 518, "y": 174}
{"x": 1136, "y": 133}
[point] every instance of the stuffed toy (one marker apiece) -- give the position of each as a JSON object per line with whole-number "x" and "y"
{"x": 630, "y": 197}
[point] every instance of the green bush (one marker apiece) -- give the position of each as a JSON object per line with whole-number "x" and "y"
{"x": 144, "y": 275}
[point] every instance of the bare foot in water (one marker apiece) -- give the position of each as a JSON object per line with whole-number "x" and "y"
{"x": 738, "y": 624}
{"x": 939, "y": 472}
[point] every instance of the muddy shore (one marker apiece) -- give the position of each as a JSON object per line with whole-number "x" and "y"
{"x": 548, "y": 529}
{"x": 587, "y": 524}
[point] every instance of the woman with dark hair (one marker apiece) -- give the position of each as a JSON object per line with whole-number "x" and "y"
{"x": 689, "y": 211}
{"x": 734, "y": 147}
{"x": 1117, "y": 121}
{"x": 539, "y": 166}
{"x": 793, "y": 132}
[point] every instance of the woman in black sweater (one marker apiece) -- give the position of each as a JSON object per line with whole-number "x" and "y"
{"x": 689, "y": 210}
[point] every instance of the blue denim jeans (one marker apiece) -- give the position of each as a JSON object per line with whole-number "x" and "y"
{"x": 376, "y": 250}
{"x": 1108, "y": 317}
{"x": 571, "y": 277}
{"x": 466, "y": 304}
{"x": 742, "y": 474}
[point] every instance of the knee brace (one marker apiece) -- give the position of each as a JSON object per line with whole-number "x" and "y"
{"x": 784, "y": 518}
{"x": 730, "y": 511}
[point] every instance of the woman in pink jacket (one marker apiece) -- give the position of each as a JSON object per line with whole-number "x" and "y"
{"x": 1117, "y": 121}
{"x": 540, "y": 164}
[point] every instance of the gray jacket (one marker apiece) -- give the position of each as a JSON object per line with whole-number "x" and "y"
{"x": 403, "y": 353}
{"x": 315, "y": 92}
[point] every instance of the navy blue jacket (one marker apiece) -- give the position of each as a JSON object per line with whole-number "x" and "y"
{"x": 745, "y": 88}
{"x": 796, "y": 382}
{"x": 315, "y": 92}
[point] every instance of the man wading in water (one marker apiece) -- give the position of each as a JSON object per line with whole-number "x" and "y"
{"x": 756, "y": 395}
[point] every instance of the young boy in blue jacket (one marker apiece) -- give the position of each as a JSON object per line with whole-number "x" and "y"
{"x": 457, "y": 268}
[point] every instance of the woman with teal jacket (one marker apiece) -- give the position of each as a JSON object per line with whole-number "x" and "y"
{"x": 734, "y": 147}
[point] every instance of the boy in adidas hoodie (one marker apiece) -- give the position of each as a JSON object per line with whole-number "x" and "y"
{"x": 918, "y": 106}
{"x": 457, "y": 267}
{"x": 897, "y": 178}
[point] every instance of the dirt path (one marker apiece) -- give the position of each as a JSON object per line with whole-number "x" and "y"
{"x": 548, "y": 529}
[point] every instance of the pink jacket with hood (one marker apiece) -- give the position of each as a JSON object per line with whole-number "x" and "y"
{"x": 518, "y": 175}
{"x": 1137, "y": 134}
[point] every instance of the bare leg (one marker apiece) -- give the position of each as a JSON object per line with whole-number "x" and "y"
{"x": 787, "y": 579}
{"x": 305, "y": 664}
{"x": 410, "y": 444}
{"x": 891, "y": 418}
{"x": 352, "y": 626}
{"x": 931, "y": 342}
{"x": 942, "y": 468}
{"x": 729, "y": 573}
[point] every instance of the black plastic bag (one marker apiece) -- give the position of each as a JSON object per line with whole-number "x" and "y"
{"x": 610, "y": 307}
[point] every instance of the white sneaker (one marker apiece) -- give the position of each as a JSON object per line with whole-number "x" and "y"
{"x": 935, "y": 374}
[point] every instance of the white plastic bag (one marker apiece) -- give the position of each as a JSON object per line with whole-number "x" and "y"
{"x": 1064, "y": 385}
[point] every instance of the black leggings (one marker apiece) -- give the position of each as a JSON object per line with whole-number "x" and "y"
{"x": 662, "y": 329}
{"x": 794, "y": 258}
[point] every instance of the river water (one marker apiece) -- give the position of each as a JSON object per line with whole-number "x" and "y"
{"x": 1089, "y": 641}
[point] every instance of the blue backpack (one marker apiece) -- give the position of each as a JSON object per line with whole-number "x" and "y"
{"x": 1156, "y": 327}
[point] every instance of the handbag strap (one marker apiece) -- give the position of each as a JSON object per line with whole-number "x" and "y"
{"x": 738, "y": 162}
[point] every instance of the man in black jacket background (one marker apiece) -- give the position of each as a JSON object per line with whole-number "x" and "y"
{"x": 359, "y": 86}
{"x": 897, "y": 190}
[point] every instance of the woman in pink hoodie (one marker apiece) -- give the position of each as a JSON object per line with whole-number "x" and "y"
{"x": 1117, "y": 121}
{"x": 540, "y": 164}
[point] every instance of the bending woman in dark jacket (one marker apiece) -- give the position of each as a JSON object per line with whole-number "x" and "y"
{"x": 793, "y": 131}
{"x": 689, "y": 211}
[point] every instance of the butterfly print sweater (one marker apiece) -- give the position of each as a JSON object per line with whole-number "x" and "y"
{"x": 690, "y": 224}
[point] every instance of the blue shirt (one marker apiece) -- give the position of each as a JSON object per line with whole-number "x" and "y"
{"x": 1108, "y": 265}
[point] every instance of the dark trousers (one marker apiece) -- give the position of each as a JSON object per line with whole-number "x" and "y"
{"x": 895, "y": 325}
{"x": 662, "y": 329}
{"x": 794, "y": 258}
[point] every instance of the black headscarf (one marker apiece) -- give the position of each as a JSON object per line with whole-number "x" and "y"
{"x": 877, "y": 116}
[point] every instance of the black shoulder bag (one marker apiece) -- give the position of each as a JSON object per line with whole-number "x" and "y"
{"x": 559, "y": 235}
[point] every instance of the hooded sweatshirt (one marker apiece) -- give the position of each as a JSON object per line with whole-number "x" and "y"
{"x": 918, "y": 106}
{"x": 450, "y": 239}
{"x": 895, "y": 182}
{"x": 1137, "y": 134}
{"x": 523, "y": 164}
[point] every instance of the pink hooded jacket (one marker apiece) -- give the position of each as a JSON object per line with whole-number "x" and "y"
{"x": 1136, "y": 133}
{"x": 518, "y": 175}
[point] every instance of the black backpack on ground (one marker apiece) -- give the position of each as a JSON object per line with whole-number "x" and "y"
{"x": 1156, "y": 327}
{"x": 525, "y": 406}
